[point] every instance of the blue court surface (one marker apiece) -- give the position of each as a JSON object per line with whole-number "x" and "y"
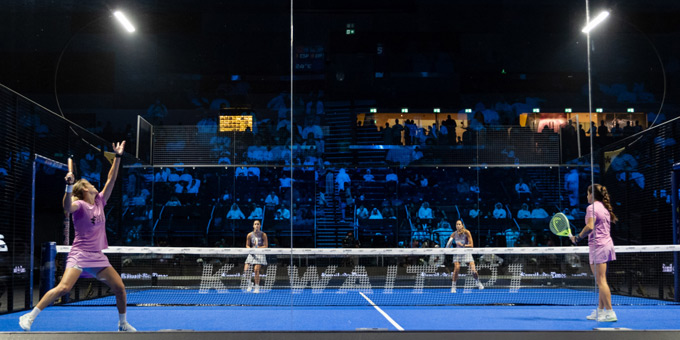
{"x": 395, "y": 297}
{"x": 349, "y": 318}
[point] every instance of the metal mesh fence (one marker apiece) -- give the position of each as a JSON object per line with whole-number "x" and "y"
{"x": 26, "y": 130}
{"x": 637, "y": 172}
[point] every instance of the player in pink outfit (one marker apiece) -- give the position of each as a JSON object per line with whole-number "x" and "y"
{"x": 599, "y": 216}
{"x": 87, "y": 206}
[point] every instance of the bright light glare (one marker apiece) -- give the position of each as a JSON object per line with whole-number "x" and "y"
{"x": 124, "y": 21}
{"x": 600, "y": 18}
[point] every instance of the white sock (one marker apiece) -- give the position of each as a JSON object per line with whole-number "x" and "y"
{"x": 122, "y": 317}
{"x": 34, "y": 313}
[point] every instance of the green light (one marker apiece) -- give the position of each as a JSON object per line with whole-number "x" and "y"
{"x": 404, "y": 110}
{"x": 630, "y": 109}
{"x": 436, "y": 110}
{"x": 598, "y": 110}
{"x": 567, "y": 110}
{"x": 537, "y": 110}
{"x": 374, "y": 110}
{"x": 468, "y": 110}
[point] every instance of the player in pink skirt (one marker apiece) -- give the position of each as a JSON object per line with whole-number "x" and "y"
{"x": 87, "y": 206}
{"x": 599, "y": 216}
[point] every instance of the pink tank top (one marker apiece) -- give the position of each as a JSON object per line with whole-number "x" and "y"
{"x": 89, "y": 222}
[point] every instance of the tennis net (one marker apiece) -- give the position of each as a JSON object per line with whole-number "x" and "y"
{"x": 641, "y": 275}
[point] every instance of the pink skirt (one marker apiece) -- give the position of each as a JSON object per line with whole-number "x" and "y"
{"x": 86, "y": 259}
{"x": 602, "y": 254}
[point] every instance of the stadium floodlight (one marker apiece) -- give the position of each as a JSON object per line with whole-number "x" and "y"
{"x": 124, "y": 21}
{"x": 598, "y": 19}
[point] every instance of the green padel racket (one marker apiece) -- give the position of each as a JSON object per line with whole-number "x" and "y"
{"x": 559, "y": 225}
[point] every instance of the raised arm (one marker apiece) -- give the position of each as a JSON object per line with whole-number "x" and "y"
{"x": 118, "y": 148}
{"x": 67, "y": 202}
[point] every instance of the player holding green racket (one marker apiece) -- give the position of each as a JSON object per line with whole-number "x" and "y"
{"x": 599, "y": 216}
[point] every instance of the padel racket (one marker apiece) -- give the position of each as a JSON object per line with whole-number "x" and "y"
{"x": 559, "y": 225}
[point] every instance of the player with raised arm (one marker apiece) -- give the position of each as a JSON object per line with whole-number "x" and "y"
{"x": 463, "y": 239}
{"x": 255, "y": 239}
{"x": 599, "y": 216}
{"x": 86, "y": 204}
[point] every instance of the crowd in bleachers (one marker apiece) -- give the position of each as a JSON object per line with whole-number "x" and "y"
{"x": 408, "y": 206}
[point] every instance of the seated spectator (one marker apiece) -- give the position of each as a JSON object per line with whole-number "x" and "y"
{"x": 475, "y": 212}
{"x": 498, "y": 212}
{"x": 423, "y": 181}
{"x": 254, "y": 172}
{"x": 174, "y": 202}
{"x": 256, "y": 214}
{"x": 388, "y": 213}
{"x": 443, "y": 231}
{"x": 511, "y": 237}
{"x": 181, "y": 187}
{"x": 567, "y": 213}
{"x": 522, "y": 190}
{"x": 368, "y": 177}
{"x": 285, "y": 182}
{"x": 283, "y": 213}
{"x": 462, "y": 187}
{"x": 162, "y": 176}
{"x": 524, "y": 212}
{"x": 241, "y": 172}
{"x": 539, "y": 212}
{"x": 392, "y": 177}
{"x": 140, "y": 200}
{"x": 235, "y": 213}
{"x": 375, "y": 215}
{"x": 425, "y": 212}
{"x": 193, "y": 186}
{"x": 362, "y": 213}
{"x": 272, "y": 200}
{"x": 186, "y": 177}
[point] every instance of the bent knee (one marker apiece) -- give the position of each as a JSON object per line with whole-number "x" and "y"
{"x": 62, "y": 290}
{"x": 118, "y": 289}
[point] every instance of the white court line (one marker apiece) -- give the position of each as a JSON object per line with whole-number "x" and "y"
{"x": 394, "y": 323}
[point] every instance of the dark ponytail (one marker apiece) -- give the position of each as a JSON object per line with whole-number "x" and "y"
{"x": 601, "y": 194}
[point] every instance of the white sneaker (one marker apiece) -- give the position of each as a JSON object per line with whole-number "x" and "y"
{"x": 257, "y": 289}
{"x": 25, "y": 322}
{"x": 125, "y": 327}
{"x": 480, "y": 285}
{"x": 250, "y": 287}
{"x": 453, "y": 289}
{"x": 607, "y": 316}
{"x": 594, "y": 314}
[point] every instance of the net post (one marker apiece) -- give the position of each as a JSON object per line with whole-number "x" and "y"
{"x": 675, "y": 178}
{"x": 47, "y": 267}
